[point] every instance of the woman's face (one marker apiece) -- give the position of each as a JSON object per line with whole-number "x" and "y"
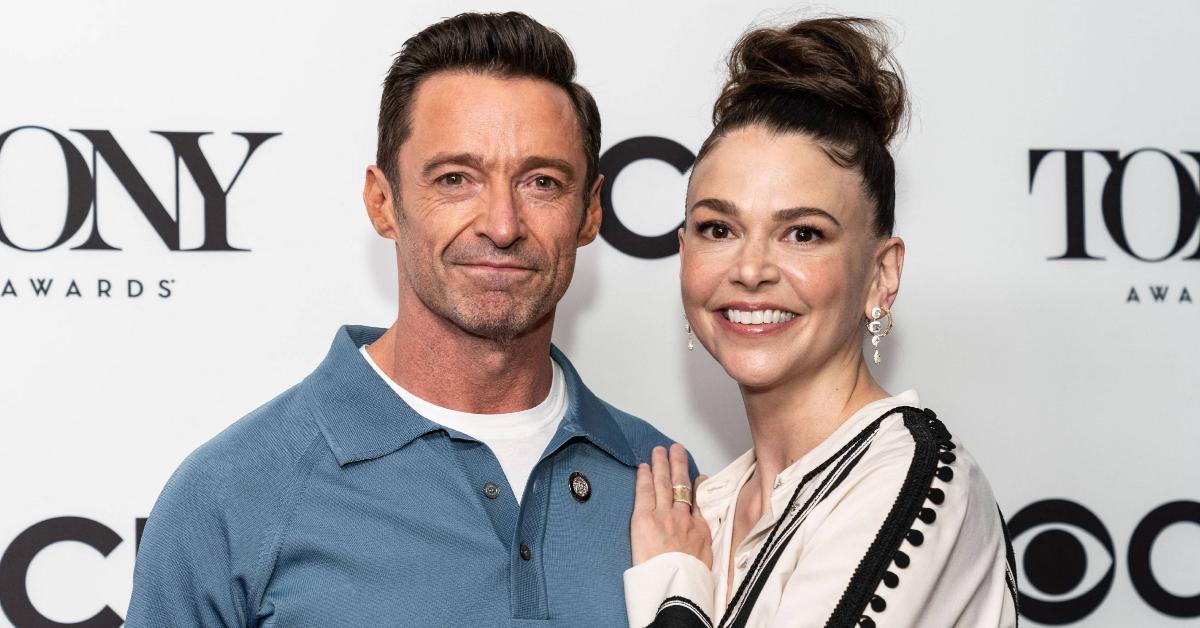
{"x": 779, "y": 262}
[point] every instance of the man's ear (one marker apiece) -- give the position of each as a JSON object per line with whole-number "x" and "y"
{"x": 377, "y": 197}
{"x": 593, "y": 213}
{"x": 889, "y": 264}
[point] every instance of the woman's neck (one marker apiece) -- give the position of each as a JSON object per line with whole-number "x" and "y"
{"x": 790, "y": 419}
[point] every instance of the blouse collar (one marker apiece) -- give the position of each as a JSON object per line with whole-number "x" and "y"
{"x": 718, "y": 491}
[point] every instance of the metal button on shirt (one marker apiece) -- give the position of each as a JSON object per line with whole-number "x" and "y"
{"x": 581, "y": 488}
{"x": 491, "y": 491}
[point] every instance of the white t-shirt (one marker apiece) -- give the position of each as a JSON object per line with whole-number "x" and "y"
{"x": 516, "y": 438}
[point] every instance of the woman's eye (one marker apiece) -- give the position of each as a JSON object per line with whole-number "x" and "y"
{"x": 715, "y": 230}
{"x": 804, "y": 234}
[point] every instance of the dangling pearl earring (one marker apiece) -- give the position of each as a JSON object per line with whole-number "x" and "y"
{"x": 687, "y": 326}
{"x": 876, "y": 328}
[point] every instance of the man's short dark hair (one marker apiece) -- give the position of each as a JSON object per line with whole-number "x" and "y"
{"x": 510, "y": 45}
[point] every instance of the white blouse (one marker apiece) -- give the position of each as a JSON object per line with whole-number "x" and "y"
{"x": 888, "y": 522}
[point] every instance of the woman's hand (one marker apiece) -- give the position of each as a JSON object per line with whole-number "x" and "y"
{"x": 659, "y": 524}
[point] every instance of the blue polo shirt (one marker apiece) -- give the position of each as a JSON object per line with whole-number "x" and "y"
{"x": 335, "y": 504}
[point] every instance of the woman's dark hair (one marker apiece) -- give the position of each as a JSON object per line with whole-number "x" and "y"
{"x": 510, "y": 45}
{"x": 832, "y": 79}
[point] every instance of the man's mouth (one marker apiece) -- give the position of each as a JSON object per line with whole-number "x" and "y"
{"x": 492, "y": 266}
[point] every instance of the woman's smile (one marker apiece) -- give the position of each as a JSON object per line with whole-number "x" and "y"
{"x": 754, "y": 320}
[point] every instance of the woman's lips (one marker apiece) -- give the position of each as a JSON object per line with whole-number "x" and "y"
{"x": 726, "y": 320}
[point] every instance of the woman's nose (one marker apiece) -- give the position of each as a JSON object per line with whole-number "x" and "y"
{"x": 754, "y": 266}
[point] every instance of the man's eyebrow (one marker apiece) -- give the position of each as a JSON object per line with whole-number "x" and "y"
{"x": 795, "y": 213}
{"x": 538, "y": 161}
{"x": 475, "y": 162}
{"x": 469, "y": 160}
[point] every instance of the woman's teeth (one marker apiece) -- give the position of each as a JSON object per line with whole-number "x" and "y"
{"x": 758, "y": 317}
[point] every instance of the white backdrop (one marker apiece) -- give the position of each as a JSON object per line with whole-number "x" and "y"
{"x": 1063, "y": 387}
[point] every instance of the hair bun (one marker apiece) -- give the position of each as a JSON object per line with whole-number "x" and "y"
{"x": 844, "y": 61}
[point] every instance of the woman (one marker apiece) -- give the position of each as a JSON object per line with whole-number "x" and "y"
{"x": 854, "y": 506}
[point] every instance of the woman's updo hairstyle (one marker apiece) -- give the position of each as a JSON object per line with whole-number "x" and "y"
{"x": 832, "y": 79}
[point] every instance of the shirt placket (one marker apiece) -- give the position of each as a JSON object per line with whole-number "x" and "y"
{"x": 748, "y": 549}
{"x": 519, "y": 527}
{"x": 527, "y": 575}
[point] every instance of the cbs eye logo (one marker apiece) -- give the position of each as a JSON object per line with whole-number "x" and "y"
{"x": 1058, "y": 541}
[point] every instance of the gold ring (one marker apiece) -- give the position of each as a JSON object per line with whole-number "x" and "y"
{"x": 681, "y": 493}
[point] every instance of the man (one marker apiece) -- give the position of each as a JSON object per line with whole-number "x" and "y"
{"x": 453, "y": 470}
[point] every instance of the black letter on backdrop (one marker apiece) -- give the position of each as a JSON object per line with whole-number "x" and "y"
{"x": 79, "y": 189}
{"x": 1140, "y": 546}
{"x": 187, "y": 149}
{"x": 1076, "y": 235}
{"x": 1110, "y": 203}
{"x": 14, "y": 566}
{"x": 1196, "y": 156}
{"x": 106, "y": 146}
{"x": 612, "y": 163}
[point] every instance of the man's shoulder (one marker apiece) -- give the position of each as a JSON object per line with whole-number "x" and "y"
{"x": 277, "y": 432}
{"x": 225, "y": 505}
{"x": 639, "y": 433}
{"x": 256, "y": 456}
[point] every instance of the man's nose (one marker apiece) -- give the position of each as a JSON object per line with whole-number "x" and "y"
{"x": 500, "y": 220}
{"x": 754, "y": 266}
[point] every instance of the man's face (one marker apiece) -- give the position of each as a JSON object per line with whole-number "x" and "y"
{"x": 489, "y": 206}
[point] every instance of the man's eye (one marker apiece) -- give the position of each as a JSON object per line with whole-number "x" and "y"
{"x": 545, "y": 183}
{"x": 453, "y": 178}
{"x": 804, "y": 234}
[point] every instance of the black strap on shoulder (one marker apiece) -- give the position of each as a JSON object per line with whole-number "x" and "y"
{"x": 932, "y": 443}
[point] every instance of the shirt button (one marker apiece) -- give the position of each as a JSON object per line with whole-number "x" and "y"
{"x": 526, "y": 553}
{"x": 742, "y": 561}
{"x": 581, "y": 488}
{"x": 491, "y": 491}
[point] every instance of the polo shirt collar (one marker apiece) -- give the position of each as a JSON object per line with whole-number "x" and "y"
{"x": 362, "y": 418}
{"x": 588, "y": 417}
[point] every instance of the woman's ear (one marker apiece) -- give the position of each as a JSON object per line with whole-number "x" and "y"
{"x": 885, "y": 283}
{"x": 680, "y": 233}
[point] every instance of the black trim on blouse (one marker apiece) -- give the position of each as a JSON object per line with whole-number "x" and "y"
{"x": 680, "y": 612}
{"x": 885, "y": 559}
{"x": 933, "y": 447}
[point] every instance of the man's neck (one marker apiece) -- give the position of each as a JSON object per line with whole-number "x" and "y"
{"x": 437, "y": 361}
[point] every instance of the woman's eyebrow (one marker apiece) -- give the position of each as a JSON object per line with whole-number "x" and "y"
{"x": 783, "y": 215}
{"x": 718, "y": 205}
{"x": 795, "y": 213}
